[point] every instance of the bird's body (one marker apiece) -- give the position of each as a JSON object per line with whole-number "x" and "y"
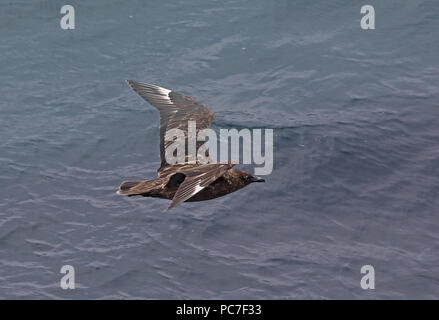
{"x": 192, "y": 180}
{"x": 166, "y": 187}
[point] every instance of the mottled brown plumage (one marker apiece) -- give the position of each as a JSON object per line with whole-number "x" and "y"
{"x": 187, "y": 181}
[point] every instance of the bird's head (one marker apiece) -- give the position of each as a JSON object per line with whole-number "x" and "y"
{"x": 248, "y": 178}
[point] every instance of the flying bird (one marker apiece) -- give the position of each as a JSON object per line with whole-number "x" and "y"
{"x": 188, "y": 181}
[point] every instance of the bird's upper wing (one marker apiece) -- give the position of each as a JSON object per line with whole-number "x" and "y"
{"x": 176, "y": 110}
{"x": 197, "y": 178}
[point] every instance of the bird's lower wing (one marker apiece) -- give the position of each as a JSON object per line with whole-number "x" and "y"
{"x": 197, "y": 179}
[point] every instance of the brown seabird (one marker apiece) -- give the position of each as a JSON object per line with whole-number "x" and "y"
{"x": 187, "y": 181}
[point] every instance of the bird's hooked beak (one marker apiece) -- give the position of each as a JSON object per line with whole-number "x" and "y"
{"x": 257, "y": 179}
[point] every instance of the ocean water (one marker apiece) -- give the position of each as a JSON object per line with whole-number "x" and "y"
{"x": 355, "y": 115}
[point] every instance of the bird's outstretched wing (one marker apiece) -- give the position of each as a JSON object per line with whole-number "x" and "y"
{"x": 197, "y": 178}
{"x": 176, "y": 110}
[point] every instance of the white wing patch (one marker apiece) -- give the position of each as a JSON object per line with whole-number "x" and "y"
{"x": 157, "y": 96}
{"x": 198, "y": 188}
{"x": 165, "y": 93}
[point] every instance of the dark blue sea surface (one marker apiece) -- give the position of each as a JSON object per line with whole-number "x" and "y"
{"x": 355, "y": 115}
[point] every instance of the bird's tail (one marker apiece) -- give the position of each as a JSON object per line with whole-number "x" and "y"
{"x": 127, "y": 187}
